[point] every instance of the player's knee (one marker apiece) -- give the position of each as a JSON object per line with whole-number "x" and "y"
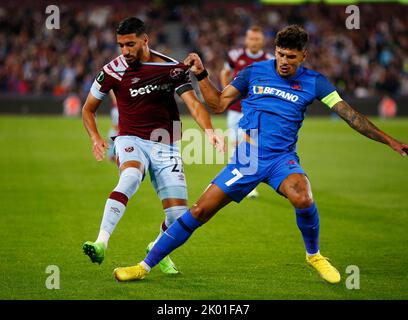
{"x": 129, "y": 181}
{"x": 302, "y": 201}
{"x": 198, "y": 212}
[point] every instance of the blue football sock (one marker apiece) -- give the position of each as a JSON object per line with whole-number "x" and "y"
{"x": 308, "y": 222}
{"x": 172, "y": 238}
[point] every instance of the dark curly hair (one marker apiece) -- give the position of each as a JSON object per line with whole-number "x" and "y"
{"x": 131, "y": 25}
{"x": 292, "y": 37}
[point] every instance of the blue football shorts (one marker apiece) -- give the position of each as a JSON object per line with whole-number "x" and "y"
{"x": 246, "y": 169}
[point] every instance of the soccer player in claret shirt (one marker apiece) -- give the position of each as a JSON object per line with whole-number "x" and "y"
{"x": 238, "y": 59}
{"x": 144, "y": 82}
{"x": 278, "y": 92}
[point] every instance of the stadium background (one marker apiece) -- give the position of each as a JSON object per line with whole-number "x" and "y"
{"x": 46, "y": 65}
{"x": 52, "y": 191}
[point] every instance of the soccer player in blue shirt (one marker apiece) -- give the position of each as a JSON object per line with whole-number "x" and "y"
{"x": 278, "y": 92}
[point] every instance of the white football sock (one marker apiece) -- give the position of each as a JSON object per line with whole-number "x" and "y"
{"x": 312, "y": 254}
{"x": 172, "y": 214}
{"x": 115, "y": 206}
{"x": 103, "y": 237}
{"x": 114, "y": 210}
{"x": 145, "y": 266}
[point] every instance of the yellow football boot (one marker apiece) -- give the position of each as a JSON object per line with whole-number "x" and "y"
{"x": 323, "y": 266}
{"x": 136, "y": 272}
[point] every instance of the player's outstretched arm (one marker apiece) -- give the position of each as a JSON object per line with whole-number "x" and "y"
{"x": 216, "y": 100}
{"x": 88, "y": 117}
{"x": 203, "y": 119}
{"x": 360, "y": 123}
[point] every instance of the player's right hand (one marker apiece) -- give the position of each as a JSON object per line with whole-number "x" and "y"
{"x": 99, "y": 148}
{"x": 217, "y": 140}
{"x": 193, "y": 60}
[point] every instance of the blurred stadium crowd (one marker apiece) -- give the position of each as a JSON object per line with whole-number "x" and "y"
{"x": 362, "y": 63}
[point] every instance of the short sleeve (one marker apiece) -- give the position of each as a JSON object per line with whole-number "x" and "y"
{"x": 182, "y": 81}
{"x": 241, "y": 81}
{"x": 326, "y": 92}
{"x": 323, "y": 87}
{"x": 102, "y": 84}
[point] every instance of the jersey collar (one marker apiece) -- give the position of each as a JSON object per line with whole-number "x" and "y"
{"x": 254, "y": 55}
{"x": 170, "y": 61}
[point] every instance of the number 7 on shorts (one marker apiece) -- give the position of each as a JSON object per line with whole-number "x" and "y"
{"x": 237, "y": 175}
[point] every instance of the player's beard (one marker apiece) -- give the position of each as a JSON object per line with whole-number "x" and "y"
{"x": 138, "y": 57}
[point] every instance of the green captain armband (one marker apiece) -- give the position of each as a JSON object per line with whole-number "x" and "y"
{"x": 331, "y": 99}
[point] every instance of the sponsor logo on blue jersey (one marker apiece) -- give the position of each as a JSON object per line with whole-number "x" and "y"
{"x": 276, "y": 92}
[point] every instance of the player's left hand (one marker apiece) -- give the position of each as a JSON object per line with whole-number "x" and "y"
{"x": 193, "y": 60}
{"x": 217, "y": 140}
{"x": 401, "y": 148}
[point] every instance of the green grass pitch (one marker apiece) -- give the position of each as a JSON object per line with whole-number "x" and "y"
{"x": 53, "y": 193}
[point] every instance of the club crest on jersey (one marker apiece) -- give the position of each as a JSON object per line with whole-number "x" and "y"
{"x": 129, "y": 149}
{"x": 296, "y": 85}
{"x": 100, "y": 77}
{"x": 176, "y": 72}
{"x": 291, "y": 164}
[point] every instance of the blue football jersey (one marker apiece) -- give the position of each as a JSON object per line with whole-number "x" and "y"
{"x": 276, "y": 106}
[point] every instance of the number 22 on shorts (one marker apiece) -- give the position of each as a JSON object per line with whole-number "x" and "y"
{"x": 237, "y": 175}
